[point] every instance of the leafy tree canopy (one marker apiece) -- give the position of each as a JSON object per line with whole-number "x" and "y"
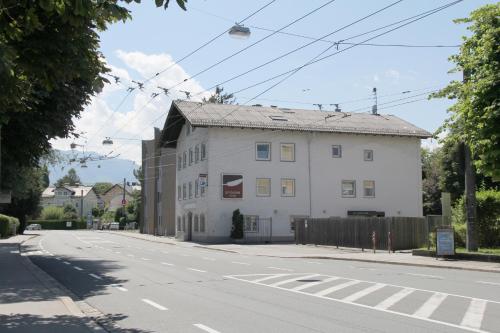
{"x": 220, "y": 97}
{"x": 101, "y": 188}
{"x": 71, "y": 179}
{"x": 476, "y": 114}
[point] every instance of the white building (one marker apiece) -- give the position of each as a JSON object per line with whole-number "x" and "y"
{"x": 83, "y": 198}
{"x": 277, "y": 164}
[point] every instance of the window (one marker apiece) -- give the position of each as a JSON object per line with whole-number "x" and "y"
{"x": 203, "y": 151}
{"x": 179, "y": 162}
{"x": 263, "y": 187}
{"x": 336, "y": 151}
{"x": 287, "y": 187}
{"x": 178, "y": 223}
{"x": 197, "y": 154}
{"x": 203, "y": 190}
{"x": 188, "y": 129}
{"x": 179, "y": 193}
{"x": 196, "y": 188}
{"x": 349, "y": 188}
{"x": 184, "y": 191}
{"x": 191, "y": 157}
{"x": 287, "y": 152}
{"x": 184, "y": 159}
{"x": 190, "y": 190}
{"x": 251, "y": 223}
{"x": 369, "y": 188}
{"x": 183, "y": 222}
{"x": 202, "y": 222}
{"x": 368, "y": 155}
{"x": 263, "y": 151}
{"x": 196, "y": 223}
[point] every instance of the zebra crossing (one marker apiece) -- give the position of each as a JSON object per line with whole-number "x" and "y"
{"x": 457, "y": 311}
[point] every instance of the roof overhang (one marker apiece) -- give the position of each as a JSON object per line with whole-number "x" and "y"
{"x": 172, "y": 128}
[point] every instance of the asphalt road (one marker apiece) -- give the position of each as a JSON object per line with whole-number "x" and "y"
{"x": 151, "y": 287}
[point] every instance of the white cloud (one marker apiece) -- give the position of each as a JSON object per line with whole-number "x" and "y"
{"x": 376, "y": 78}
{"x": 99, "y": 119}
{"x": 393, "y": 74}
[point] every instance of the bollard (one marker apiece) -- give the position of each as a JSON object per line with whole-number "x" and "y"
{"x": 374, "y": 240}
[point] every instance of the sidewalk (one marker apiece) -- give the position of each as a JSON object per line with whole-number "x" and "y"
{"x": 325, "y": 252}
{"x": 30, "y": 300}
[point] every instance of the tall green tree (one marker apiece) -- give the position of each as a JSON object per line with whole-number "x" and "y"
{"x": 220, "y": 97}
{"x": 431, "y": 177}
{"x": 102, "y": 187}
{"x": 476, "y": 114}
{"x": 71, "y": 179}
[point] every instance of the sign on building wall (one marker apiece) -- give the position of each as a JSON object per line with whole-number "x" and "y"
{"x": 232, "y": 186}
{"x": 203, "y": 180}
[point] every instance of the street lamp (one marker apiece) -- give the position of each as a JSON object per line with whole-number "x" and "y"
{"x": 239, "y": 31}
{"x": 107, "y": 141}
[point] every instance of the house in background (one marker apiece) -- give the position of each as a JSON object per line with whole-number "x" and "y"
{"x": 83, "y": 198}
{"x": 276, "y": 164}
{"x": 112, "y": 198}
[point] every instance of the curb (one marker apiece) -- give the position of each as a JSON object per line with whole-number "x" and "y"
{"x": 94, "y": 319}
{"x": 144, "y": 239}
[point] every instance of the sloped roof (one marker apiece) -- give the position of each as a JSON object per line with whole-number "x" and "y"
{"x": 76, "y": 191}
{"x": 242, "y": 116}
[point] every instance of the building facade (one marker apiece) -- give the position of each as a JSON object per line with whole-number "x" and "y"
{"x": 83, "y": 198}
{"x": 275, "y": 165}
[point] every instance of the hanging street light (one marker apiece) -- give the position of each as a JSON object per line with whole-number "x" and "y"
{"x": 239, "y": 31}
{"x": 107, "y": 142}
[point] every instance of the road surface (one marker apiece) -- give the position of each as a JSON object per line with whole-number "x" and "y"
{"x": 152, "y": 287}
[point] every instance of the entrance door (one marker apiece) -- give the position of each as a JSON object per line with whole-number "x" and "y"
{"x": 190, "y": 227}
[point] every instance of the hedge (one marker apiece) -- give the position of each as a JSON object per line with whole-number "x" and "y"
{"x": 58, "y": 224}
{"x": 8, "y": 225}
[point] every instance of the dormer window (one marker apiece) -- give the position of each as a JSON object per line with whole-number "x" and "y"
{"x": 278, "y": 118}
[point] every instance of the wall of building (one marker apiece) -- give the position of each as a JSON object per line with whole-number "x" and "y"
{"x": 167, "y": 188}
{"x": 148, "y": 189}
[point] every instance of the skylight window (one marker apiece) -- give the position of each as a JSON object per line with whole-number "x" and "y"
{"x": 278, "y": 118}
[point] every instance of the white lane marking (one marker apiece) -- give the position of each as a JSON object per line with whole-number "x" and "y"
{"x": 312, "y": 284}
{"x": 145, "y": 259}
{"x": 58, "y": 258}
{"x": 117, "y": 252}
{"x": 490, "y": 283}
{"x": 240, "y": 263}
{"x": 474, "y": 315}
{"x": 167, "y": 264}
{"x": 14, "y": 251}
{"x": 268, "y": 277}
{"x": 428, "y": 308}
{"x": 205, "y": 328}
{"x": 281, "y": 269}
{"x": 130, "y": 255}
{"x": 313, "y": 262}
{"x": 197, "y": 270}
{"x": 425, "y": 275}
{"x": 185, "y": 255}
{"x": 238, "y": 278}
{"x": 330, "y": 290}
{"x": 66, "y": 263}
{"x": 78, "y": 268}
{"x": 117, "y": 286}
{"x": 303, "y": 277}
{"x": 95, "y": 276}
{"x": 153, "y": 304}
{"x": 206, "y": 258}
{"x": 362, "y": 293}
{"x": 391, "y": 300}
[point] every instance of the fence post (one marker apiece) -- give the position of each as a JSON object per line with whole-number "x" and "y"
{"x": 374, "y": 240}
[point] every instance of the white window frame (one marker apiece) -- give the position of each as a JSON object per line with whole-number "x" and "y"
{"x": 184, "y": 159}
{"x": 196, "y": 223}
{"x": 365, "y": 188}
{"x": 179, "y": 162}
{"x": 257, "y": 144}
{"x": 368, "y": 155}
{"x": 250, "y": 223}
{"x": 179, "y": 192}
{"x": 203, "y": 151}
{"x": 190, "y": 190}
{"x": 196, "y": 153}
{"x": 188, "y": 129}
{"x": 283, "y": 180}
{"x": 191, "y": 156}
{"x": 284, "y": 144}
{"x": 184, "y": 191}
{"x": 339, "y": 147}
{"x": 196, "y": 188}
{"x": 348, "y": 181}
{"x": 257, "y": 187}
{"x": 202, "y": 223}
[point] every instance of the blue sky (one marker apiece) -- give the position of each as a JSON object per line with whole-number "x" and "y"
{"x": 155, "y": 37}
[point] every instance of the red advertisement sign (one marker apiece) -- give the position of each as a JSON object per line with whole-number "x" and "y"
{"x": 232, "y": 186}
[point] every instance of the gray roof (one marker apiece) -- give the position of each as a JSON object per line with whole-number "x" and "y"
{"x": 242, "y": 116}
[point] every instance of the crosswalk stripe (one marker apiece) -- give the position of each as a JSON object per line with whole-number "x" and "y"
{"x": 304, "y": 277}
{"x": 312, "y": 284}
{"x": 337, "y": 287}
{"x": 268, "y": 278}
{"x": 354, "y": 297}
{"x": 474, "y": 315}
{"x": 428, "y": 308}
{"x": 390, "y": 301}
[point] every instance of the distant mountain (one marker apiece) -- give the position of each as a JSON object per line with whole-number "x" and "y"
{"x": 112, "y": 171}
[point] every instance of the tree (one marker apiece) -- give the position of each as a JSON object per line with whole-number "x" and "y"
{"x": 219, "y": 97}
{"x": 237, "y": 227}
{"x": 70, "y": 212}
{"x": 71, "y": 179}
{"x": 476, "y": 113}
{"x": 431, "y": 175}
{"x": 101, "y": 188}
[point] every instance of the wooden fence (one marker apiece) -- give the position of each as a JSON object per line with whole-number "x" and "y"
{"x": 405, "y": 232}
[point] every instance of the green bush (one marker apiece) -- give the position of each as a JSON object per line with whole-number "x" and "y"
{"x": 4, "y": 226}
{"x": 59, "y": 224}
{"x": 52, "y": 213}
{"x": 488, "y": 219}
{"x": 70, "y": 212}
{"x": 237, "y": 228}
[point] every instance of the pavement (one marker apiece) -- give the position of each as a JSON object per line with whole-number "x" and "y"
{"x": 30, "y": 301}
{"x": 327, "y": 252}
{"x": 151, "y": 286}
